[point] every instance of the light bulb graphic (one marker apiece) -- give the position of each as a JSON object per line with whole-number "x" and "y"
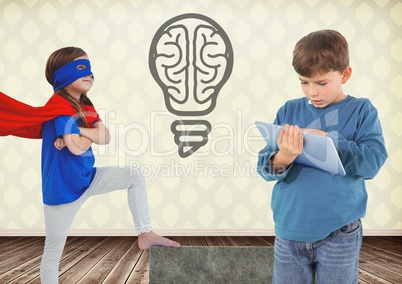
{"x": 190, "y": 58}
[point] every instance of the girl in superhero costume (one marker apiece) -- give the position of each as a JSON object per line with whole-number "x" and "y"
{"x": 68, "y": 125}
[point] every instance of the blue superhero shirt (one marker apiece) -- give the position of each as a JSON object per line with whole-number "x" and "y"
{"x": 65, "y": 176}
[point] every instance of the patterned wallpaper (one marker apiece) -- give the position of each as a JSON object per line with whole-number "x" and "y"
{"x": 216, "y": 189}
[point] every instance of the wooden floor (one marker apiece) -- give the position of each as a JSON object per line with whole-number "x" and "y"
{"x": 118, "y": 259}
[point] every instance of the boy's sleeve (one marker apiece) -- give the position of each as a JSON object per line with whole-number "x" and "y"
{"x": 365, "y": 155}
{"x": 66, "y": 125}
{"x": 264, "y": 166}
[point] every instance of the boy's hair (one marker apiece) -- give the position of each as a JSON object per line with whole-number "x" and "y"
{"x": 321, "y": 52}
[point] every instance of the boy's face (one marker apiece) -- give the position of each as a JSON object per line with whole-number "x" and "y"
{"x": 325, "y": 89}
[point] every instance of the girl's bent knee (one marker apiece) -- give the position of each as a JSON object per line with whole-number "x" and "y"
{"x": 137, "y": 177}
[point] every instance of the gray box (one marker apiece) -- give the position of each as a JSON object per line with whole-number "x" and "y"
{"x": 208, "y": 264}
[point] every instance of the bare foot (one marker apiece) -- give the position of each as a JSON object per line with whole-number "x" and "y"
{"x": 146, "y": 240}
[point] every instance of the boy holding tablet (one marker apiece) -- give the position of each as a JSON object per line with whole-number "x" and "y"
{"x": 317, "y": 214}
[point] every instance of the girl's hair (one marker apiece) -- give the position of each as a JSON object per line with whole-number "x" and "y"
{"x": 321, "y": 52}
{"x": 58, "y": 59}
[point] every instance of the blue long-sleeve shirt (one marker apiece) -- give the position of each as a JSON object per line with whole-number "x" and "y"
{"x": 308, "y": 204}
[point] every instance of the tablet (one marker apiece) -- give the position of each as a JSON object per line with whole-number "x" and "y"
{"x": 319, "y": 151}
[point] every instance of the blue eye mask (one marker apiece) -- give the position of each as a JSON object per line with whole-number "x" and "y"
{"x": 70, "y": 72}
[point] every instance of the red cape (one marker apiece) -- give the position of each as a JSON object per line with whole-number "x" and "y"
{"x": 19, "y": 119}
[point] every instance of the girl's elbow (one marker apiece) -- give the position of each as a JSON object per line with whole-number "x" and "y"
{"x": 108, "y": 138}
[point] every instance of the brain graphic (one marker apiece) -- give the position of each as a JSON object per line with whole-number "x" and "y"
{"x": 190, "y": 58}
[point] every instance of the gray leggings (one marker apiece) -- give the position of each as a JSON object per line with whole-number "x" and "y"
{"x": 58, "y": 219}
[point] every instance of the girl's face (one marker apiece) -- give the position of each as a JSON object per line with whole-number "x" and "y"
{"x": 326, "y": 89}
{"x": 81, "y": 85}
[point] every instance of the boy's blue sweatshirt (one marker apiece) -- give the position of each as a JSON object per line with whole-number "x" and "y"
{"x": 308, "y": 204}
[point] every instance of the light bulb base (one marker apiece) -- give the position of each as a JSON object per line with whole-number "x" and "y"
{"x": 190, "y": 135}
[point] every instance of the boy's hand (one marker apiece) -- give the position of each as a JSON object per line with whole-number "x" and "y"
{"x": 290, "y": 144}
{"x": 290, "y": 141}
{"x": 59, "y": 143}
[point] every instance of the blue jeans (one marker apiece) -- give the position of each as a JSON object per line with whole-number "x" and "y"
{"x": 334, "y": 259}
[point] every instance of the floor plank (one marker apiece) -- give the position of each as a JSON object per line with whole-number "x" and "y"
{"x": 119, "y": 260}
{"x": 122, "y": 270}
{"x": 79, "y": 270}
{"x": 381, "y": 260}
{"x": 33, "y": 274}
{"x": 184, "y": 240}
{"x": 226, "y": 241}
{"x": 141, "y": 272}
{"x": 213, "y": 241}
{"x": 198, "y": 241}
{"x": 12, "y": 250}
{"x": 14, "y": 257}
{"x": 7, "y": 243}
{"x": 101, "y": 270}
